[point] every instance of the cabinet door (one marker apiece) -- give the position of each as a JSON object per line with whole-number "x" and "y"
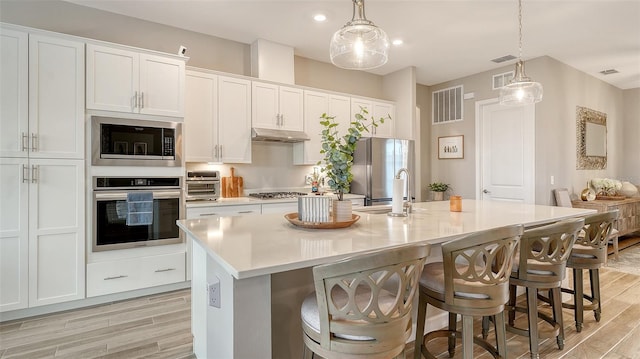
{"x": 14, "y": 120}
{"x": 56, "y": 98}
{"x": 161, "y": 86}
{"x": 340, "y": 108}
{"x": 308, "y": 152}
{"x": 356, "y": 105}
{"x": 384, "y": 110}
{"x": 14, "y": 234}
{"x": 112, "y": 79}
{"x": 56, "y": 231}
{"x": 265, "y": 106}
{"x": 291, "y": 108}
{"x": 201, "y": 117}
{"x": 234, "y": 119}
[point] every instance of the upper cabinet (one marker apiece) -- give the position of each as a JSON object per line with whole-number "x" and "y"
{"x": 277, "y": 107}
{"x": 234, "y": 119}
{"x": 127, "y": 81}
{"x": 42, "y": 101}
{"x": 376, "y": 109}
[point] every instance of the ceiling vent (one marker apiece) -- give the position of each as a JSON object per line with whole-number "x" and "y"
{"x": 609, "y": 71}
{"x": 503, "y": 59}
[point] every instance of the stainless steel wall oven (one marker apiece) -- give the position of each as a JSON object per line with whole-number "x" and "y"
{"x": 115, "y": 225}
{"x": 128, "y": 142}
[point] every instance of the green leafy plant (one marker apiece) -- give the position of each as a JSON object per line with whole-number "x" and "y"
{"x": 338, "y": 149}
{"x": 439, "y": 187}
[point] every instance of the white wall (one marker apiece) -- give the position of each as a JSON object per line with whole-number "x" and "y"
{"x": 630, "y": 165}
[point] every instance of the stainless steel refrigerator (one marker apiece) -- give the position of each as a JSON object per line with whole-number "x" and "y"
{"x": 376, "y": 162}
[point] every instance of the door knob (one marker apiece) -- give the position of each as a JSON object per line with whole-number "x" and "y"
{"x": 486, "y": 191}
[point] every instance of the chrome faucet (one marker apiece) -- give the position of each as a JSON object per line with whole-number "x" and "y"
{"x": 406, "y": 206}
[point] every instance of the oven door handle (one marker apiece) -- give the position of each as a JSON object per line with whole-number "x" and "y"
{"x": 119, "y": 195}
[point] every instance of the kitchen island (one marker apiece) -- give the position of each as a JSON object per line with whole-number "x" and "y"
{"x": 259, "y": 267}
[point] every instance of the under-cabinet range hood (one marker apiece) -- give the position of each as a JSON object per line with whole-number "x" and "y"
{"x": 268, "y": 134}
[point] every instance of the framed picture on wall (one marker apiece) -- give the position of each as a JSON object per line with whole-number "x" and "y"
{"x": 450, "y": 147}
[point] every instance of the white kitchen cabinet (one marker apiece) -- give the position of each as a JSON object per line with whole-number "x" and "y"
{"x": 134, "y": 273}
{"x": 277, "y": 107}
{"x": 376, "y": 109}
{"x": 42, "y": 97}
{"x": 315, "y": 104}
{"x": 234, "y": 120}
{"x": 223, "y": 210}
{"x": 127, "y": 81}
{"x": 201, "y": 117}
{"x": 42, "y": 214}
{"x": 280, "y": 207}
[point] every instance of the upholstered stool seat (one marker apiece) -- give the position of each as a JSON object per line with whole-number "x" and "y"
{"x": 471, "y": 280}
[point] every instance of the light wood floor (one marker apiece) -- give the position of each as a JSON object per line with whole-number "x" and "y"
{"x": 158, "y": 326}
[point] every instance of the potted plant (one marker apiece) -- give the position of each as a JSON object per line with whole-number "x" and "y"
{"x": 338, "y": 156}
{"x": 438, "y": 189}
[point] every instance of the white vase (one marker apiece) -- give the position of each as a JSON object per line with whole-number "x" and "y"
{"x": 341, "y": 211}
{"x": 628, "y": 189}
{"x": 438, "y": 196}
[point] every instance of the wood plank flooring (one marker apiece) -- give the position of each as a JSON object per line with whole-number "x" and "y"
{"x": 158, "y": 326}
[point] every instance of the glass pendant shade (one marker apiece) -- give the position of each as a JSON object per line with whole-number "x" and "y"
{"x": 359, "y": 45}
{"x": 520, "y": 90}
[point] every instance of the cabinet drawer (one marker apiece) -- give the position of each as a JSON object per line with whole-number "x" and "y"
{"x": 134, "y": 273}
{"x": 245, "y": 209}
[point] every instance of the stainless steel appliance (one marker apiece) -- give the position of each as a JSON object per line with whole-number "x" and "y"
{"x": 276, "y": 195}
{"x": 110, "y": 229}
{"x": 376, "y": 162}
{"x": 202, "y": 186}
{"x": 128, "y": 142}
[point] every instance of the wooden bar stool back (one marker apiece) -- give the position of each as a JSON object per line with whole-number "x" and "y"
{"x": 362, "y": 306}
{"x": 541, "y": 264}
{"x": 472, "y": 280}
{"x": 589, "y": 253}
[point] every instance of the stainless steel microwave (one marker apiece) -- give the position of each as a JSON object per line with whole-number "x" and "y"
{"x": 129, "y": 142}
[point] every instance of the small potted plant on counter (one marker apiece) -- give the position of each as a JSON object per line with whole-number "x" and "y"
{"x": 338, "y": 156}
{"x": 438, "y": 189}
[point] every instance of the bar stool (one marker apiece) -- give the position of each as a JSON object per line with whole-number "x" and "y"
{"x": 541, "y": 264}
{"x": 472, "y": 280}
{"x": 589, "y": 253}
{"x": 362, "y": 306}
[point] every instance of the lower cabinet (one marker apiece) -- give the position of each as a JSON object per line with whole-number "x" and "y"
{"x": 134, "y": 273}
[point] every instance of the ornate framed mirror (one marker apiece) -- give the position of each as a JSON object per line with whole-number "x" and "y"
{"x": 591, "y": 139}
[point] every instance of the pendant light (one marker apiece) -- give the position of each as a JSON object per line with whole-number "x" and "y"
{"x": 359, "y": 45}
{"x": 521, "y": 89}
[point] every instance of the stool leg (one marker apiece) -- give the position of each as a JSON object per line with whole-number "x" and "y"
{"x": 485, "y": 327}
{"x": 422, "y": 313}
{"x": 578, "y": 287}
{"x": 594, "y": 277}
{"x": 556, "y": 299}
{"x": 532, "y": 311}
{"x": 452, "y": 333}
{"x": 501, "y": 337}
{"x": 467, "y": 337}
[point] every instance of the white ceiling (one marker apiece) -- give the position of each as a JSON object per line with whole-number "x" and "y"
{"x": 444, "y": 40}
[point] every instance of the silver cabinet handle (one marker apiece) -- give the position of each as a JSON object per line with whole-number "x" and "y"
{"x": 220, "y": 158}
{"x": 208, "y": 214}
{"x": 243, "y": 212}
{"x": 141, "y": 100}
{"x": 34, "y": 173}
{"x": 116, "y": 277}
{"x": 34, "y": 142}
{"x": 25, "y": 174}
{"x": 215, "y": 152}
{"x": 135, "y": 99}
{"x": 25, "y": 142}
{"x": 164, "y": 270}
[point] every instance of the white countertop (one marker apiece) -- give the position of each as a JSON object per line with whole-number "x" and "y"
{"x": 233, "y": 201}
{"x": 257, "y": 245}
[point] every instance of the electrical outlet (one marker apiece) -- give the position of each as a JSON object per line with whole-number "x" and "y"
{"x": 214, "y": 294}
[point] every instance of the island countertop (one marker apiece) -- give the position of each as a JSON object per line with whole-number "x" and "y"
{"x": 252, "y": 246}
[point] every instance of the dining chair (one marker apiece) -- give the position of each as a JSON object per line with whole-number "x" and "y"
{"x": 471, "y": 280}
{"x": 362, "y": 306}
{"x": 564, "y": 200}
{"x": 541, "y": 264}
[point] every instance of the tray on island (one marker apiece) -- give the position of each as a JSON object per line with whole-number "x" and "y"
{"x": 610, "y": 198}
{"x": 293, "y": 218}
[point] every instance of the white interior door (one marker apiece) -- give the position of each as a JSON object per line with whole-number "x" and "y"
{"x": 505, "y": 144}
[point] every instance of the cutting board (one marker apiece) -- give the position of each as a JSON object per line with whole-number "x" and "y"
{"x": 232, "y": 186}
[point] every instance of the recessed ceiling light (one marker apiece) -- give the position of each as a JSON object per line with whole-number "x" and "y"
{"x": 397, "y": 42}
{"x": 319, "y": 17}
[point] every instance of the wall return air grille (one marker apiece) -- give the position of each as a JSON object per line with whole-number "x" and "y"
{"x": 448, "y": 105}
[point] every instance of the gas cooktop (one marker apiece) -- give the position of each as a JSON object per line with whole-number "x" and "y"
{"x": 277, "y": 195}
